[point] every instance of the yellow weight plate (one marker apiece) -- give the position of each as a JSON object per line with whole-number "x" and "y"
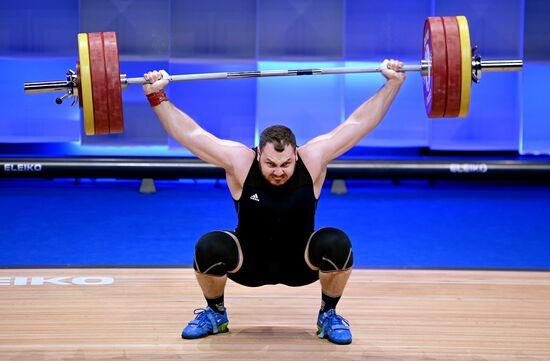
{"x": 86, "y": 84}
{"x": 466, "y": 54}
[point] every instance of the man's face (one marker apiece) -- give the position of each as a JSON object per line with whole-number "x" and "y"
{"x": 277, "y": 167}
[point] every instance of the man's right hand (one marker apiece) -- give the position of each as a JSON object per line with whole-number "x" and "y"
{"x": 157, "y": 80}
{"x": 390, "y": 69}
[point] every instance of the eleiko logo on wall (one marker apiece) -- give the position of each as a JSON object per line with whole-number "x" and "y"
{"x": 57, "y": 281}
{"x": 469, "y": 168}
{"x": 23, "y": 167}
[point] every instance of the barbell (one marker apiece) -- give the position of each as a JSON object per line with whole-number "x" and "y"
{"x": 448, "y": 67}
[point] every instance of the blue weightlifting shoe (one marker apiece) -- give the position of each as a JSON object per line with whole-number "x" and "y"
{"x": 207, "y": 322}
{"x": 333, "y": 327}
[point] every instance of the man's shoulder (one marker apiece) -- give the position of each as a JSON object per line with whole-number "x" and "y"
{"x": 241, "y": 163}
{"x": 244, "y": 157}
{"x": 310, "y": 157}
{"x": 313, "y": 161}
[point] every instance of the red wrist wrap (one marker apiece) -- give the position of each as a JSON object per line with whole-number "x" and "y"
{"x": 156, "y": 98}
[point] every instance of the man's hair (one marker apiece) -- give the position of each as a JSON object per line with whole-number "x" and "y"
{"x": 279, "y": 135}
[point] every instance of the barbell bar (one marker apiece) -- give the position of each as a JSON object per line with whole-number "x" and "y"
{"x": 63, "y": 85}
{"x": 448, "y": 67}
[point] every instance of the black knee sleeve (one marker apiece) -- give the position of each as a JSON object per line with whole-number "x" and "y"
{"x": 216, "y": 253}
{"x": 329, "y": 249}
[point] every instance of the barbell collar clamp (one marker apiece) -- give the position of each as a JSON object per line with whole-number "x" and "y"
{"x": 123, "y": 81}
{"x": 68, "y": 94}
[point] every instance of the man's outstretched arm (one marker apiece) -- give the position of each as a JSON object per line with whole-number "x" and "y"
{"x": 364, "y": 119}
{"x": 206, "y": 146}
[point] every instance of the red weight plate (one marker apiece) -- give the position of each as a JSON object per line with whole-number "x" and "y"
{"x": 79, "y": 84}
{"x": 435, "y": 82}
{"x": 114, "y": 89}
{"x": 99, "y": 83}
{"x": 454, "y": 66}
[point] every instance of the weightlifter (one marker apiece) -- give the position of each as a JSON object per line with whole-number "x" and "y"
{"x": 275, "y": 187}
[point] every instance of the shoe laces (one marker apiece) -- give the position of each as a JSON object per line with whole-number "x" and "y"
{"x": 336, "y": 319}
{"x": 332, "y": 322}
{"x": 202, "y": 318}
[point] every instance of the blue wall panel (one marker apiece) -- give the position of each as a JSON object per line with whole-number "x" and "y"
{"x": 496, "y": 26}
{"x": 38, "y": 28}
{"x": 226, "y": 108}
{"x": 213, "y": 29}
{"x": 537, "y": 29}
{"x": 375, "y": 31}
{"x": 536, "y": 121}
{"x": 300, "y": 29}
{"x": 535, "y": 136}
{"x": 142, "y": 26}
{"x": 310, "y": 106}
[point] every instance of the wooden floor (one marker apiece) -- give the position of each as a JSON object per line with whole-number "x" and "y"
{"x": 394, "y": 315}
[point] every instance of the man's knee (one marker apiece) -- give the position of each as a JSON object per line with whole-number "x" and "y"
{"x": 217, "y": 253}
{"x": 329, "y": 250}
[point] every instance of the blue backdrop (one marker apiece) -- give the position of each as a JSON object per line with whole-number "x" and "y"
{"x": 38, "y": 42}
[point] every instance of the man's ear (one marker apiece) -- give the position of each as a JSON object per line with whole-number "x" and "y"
{"x": 258, "y": 155}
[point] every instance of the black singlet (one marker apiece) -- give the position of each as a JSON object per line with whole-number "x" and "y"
{"x": 275, "y": 223}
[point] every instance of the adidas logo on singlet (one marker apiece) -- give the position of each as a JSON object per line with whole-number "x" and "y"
{"x": 254, "y": 197}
